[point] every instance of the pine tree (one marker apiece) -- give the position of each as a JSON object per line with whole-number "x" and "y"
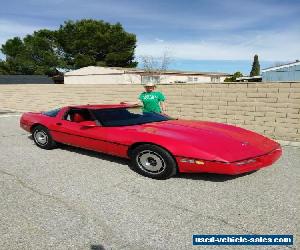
{"x": 74, "y": 45}
{"x": 255, "y": 71}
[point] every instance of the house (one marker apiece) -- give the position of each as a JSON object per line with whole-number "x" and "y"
{"x": 285, "y": 72}
{"x": 114, "y": 75}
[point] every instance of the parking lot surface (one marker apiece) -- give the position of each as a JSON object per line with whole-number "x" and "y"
{"x": 70, "y": 198}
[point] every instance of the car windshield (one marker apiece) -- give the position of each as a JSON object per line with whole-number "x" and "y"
{"x": 127, "y": 117}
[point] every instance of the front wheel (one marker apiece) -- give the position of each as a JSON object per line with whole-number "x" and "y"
{"x": 153, "y": 161}
{"x": 42, "y": 137}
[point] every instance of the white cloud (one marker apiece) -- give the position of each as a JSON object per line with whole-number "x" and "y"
{"x": 268, "y": 45}
{"x": 159, "y": 40}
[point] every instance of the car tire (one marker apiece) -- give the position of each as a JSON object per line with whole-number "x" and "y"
{"x": 153, "y": 161}
{"x": 42, "y": 138}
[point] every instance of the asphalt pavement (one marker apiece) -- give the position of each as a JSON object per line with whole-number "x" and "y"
{"x": 69, "y": 198}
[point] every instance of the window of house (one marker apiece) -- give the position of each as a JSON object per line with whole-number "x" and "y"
{"x": 192, "y": 79}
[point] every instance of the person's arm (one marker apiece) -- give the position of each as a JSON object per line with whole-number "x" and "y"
{"x": 162, "y": 102}
{"x": 138, "y": 102}
{"x": 163, "y": 106}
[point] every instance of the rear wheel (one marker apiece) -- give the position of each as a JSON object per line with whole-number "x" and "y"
{"x": 153, "y": 161}
{"x": 42, "y": 137}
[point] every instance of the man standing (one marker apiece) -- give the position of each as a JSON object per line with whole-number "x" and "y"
{"x": 151, "y": 100}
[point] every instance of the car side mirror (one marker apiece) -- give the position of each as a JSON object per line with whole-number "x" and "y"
{"x": 88, "y": 124}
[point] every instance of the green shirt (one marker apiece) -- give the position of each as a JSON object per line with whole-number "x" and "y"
{"x": 151, "y": 101}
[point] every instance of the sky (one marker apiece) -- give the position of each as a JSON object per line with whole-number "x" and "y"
{"x": 198, "y": 35}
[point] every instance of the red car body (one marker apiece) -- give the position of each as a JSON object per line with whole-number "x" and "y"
{"x": 197, "y": 146}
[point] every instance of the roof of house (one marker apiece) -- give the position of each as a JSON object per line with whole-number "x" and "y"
{"x": 281, "y": 66}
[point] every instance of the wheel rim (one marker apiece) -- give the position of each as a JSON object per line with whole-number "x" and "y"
{"x": 41, "y": 137}
{"x": 151, "y": 162}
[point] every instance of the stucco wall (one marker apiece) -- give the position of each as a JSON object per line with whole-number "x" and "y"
{"x": 134, "y": 79}
{"x": 272, "y": 109}
{"x": 103, "y": 75}
{"x": 94, "y": 79}
{"x": 185, "y": 78}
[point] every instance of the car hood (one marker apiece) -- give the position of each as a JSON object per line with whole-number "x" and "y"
{"x": 223, "y": 142}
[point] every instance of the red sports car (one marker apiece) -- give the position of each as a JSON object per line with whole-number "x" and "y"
{"x": 157, "y": 145}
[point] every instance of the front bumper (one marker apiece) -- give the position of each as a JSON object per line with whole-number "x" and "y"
{"x": 230, "y": 168}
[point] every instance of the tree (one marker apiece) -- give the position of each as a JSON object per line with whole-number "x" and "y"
{"x": 255, "y": 71}
{"x": 35, "y": 54}
{"x": 154, "y": 67}
{"x": 233, "y": 77}
{"x": 91, "y": 42}
{"x": 3, "y": 68}
{"x": 12, "y": 48}
{"x": 74, "y": 45}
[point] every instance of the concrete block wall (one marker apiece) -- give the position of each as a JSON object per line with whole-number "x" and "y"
{"x": 272, "y": 109}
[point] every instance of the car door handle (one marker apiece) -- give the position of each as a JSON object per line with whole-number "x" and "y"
{"x": 59, "y": 123}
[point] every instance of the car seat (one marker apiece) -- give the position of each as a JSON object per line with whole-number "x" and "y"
{"x": 78, "y": 118}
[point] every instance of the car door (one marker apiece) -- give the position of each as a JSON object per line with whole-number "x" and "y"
{"x": 78, "y": 133}
{"x": 117, "y": 137}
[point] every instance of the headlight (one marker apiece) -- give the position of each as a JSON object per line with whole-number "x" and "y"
{"x": 192, "y": 161}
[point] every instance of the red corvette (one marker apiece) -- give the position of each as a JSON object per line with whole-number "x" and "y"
{"x": 157, "y": 145}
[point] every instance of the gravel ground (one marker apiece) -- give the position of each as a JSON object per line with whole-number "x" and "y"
{"x": 70, "y": 198}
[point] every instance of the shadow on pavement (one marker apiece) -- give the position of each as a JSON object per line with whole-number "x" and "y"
{"x": 122, "y": 161}
{"x": 95, "y": 154}
{"x": 97, "y": 247}
{"x": 91, "y": 153}
{"x": 210, "y": 177}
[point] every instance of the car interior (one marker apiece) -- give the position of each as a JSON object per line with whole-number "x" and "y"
{"x": 78, "y": 115}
